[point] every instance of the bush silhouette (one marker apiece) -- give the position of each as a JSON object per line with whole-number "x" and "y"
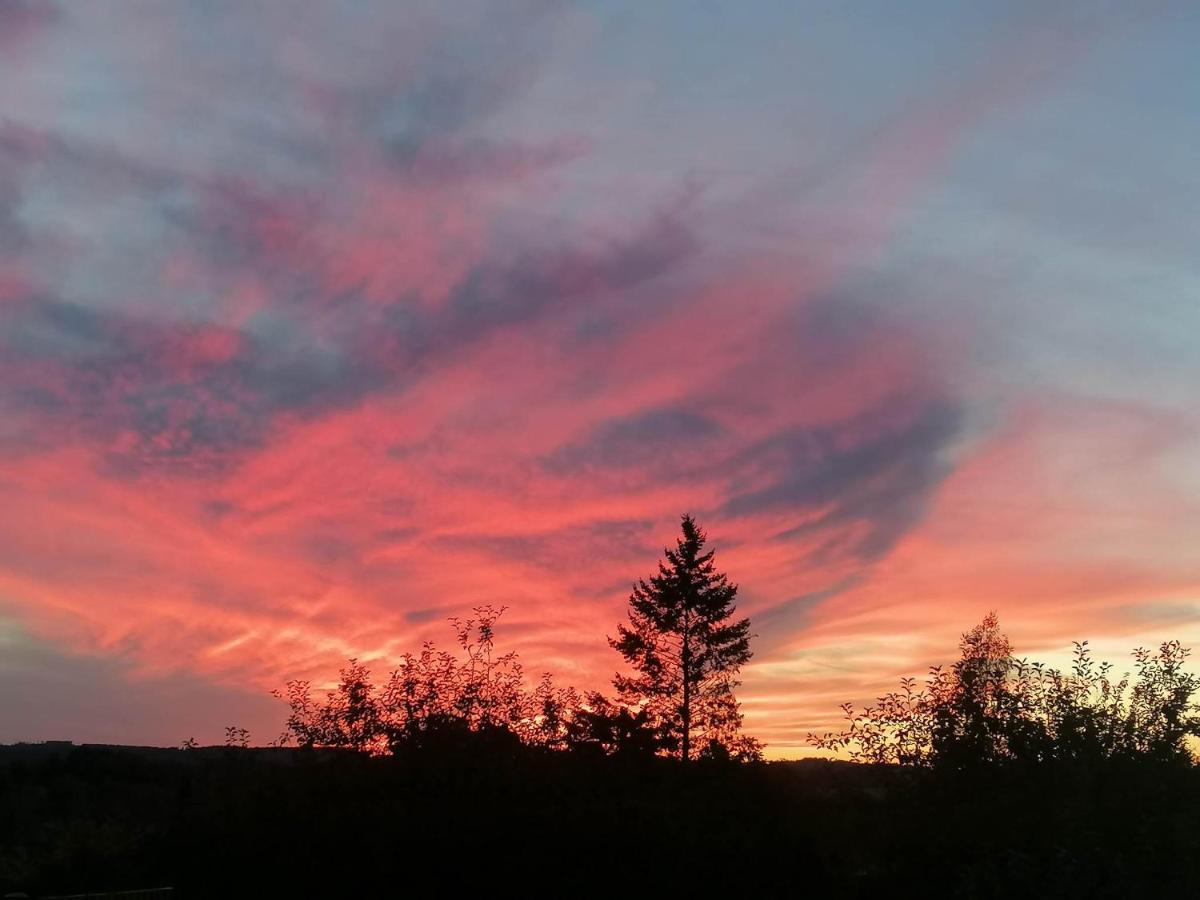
{"x": 991, "y": 708}
{"x": 434, "y": 697}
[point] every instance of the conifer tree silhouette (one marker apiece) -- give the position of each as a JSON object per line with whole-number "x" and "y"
{"x": 686, "y": 648}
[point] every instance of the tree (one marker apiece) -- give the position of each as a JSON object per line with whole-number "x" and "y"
{"x": 612, "y": 729}
{"x": 434, "y": 699}
{"x": 970, "y": 712}
{"x": 686, "y": 648}
{"x": 349, "y": 718}
{"x": 1161, "y": 715}
{"x": 991, "y": 708}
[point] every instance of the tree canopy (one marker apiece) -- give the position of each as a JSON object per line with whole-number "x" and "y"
{"x": 993, "y": 708}
{"x": 686, "y": 648}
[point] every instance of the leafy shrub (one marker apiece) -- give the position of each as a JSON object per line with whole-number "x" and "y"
{"x": 433, "y": 695}
{"x": 990, "y": 707}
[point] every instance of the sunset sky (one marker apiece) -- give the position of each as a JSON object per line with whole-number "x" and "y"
{"x": 322, "y": 322}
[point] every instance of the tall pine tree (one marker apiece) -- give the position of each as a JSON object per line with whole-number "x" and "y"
{"x": 687, "y": 649}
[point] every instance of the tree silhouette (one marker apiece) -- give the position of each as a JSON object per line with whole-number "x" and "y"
{"x": 613, "y": 729}
{"x": 991, "y": 708}
{"x": 686, "y": 648}
{"x": 970, "y": 713}
{"x": 434, "y": 698}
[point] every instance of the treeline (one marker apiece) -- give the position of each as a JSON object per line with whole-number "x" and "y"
{"x": 681, "y": 640}
{"x": 991, "y": 708}
{"x": 685, "y": 648}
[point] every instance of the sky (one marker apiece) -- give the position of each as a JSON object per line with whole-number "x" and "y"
{"x": 322, "y": 323}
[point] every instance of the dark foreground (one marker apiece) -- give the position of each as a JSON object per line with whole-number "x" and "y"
{"x": 267, "y": 823}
